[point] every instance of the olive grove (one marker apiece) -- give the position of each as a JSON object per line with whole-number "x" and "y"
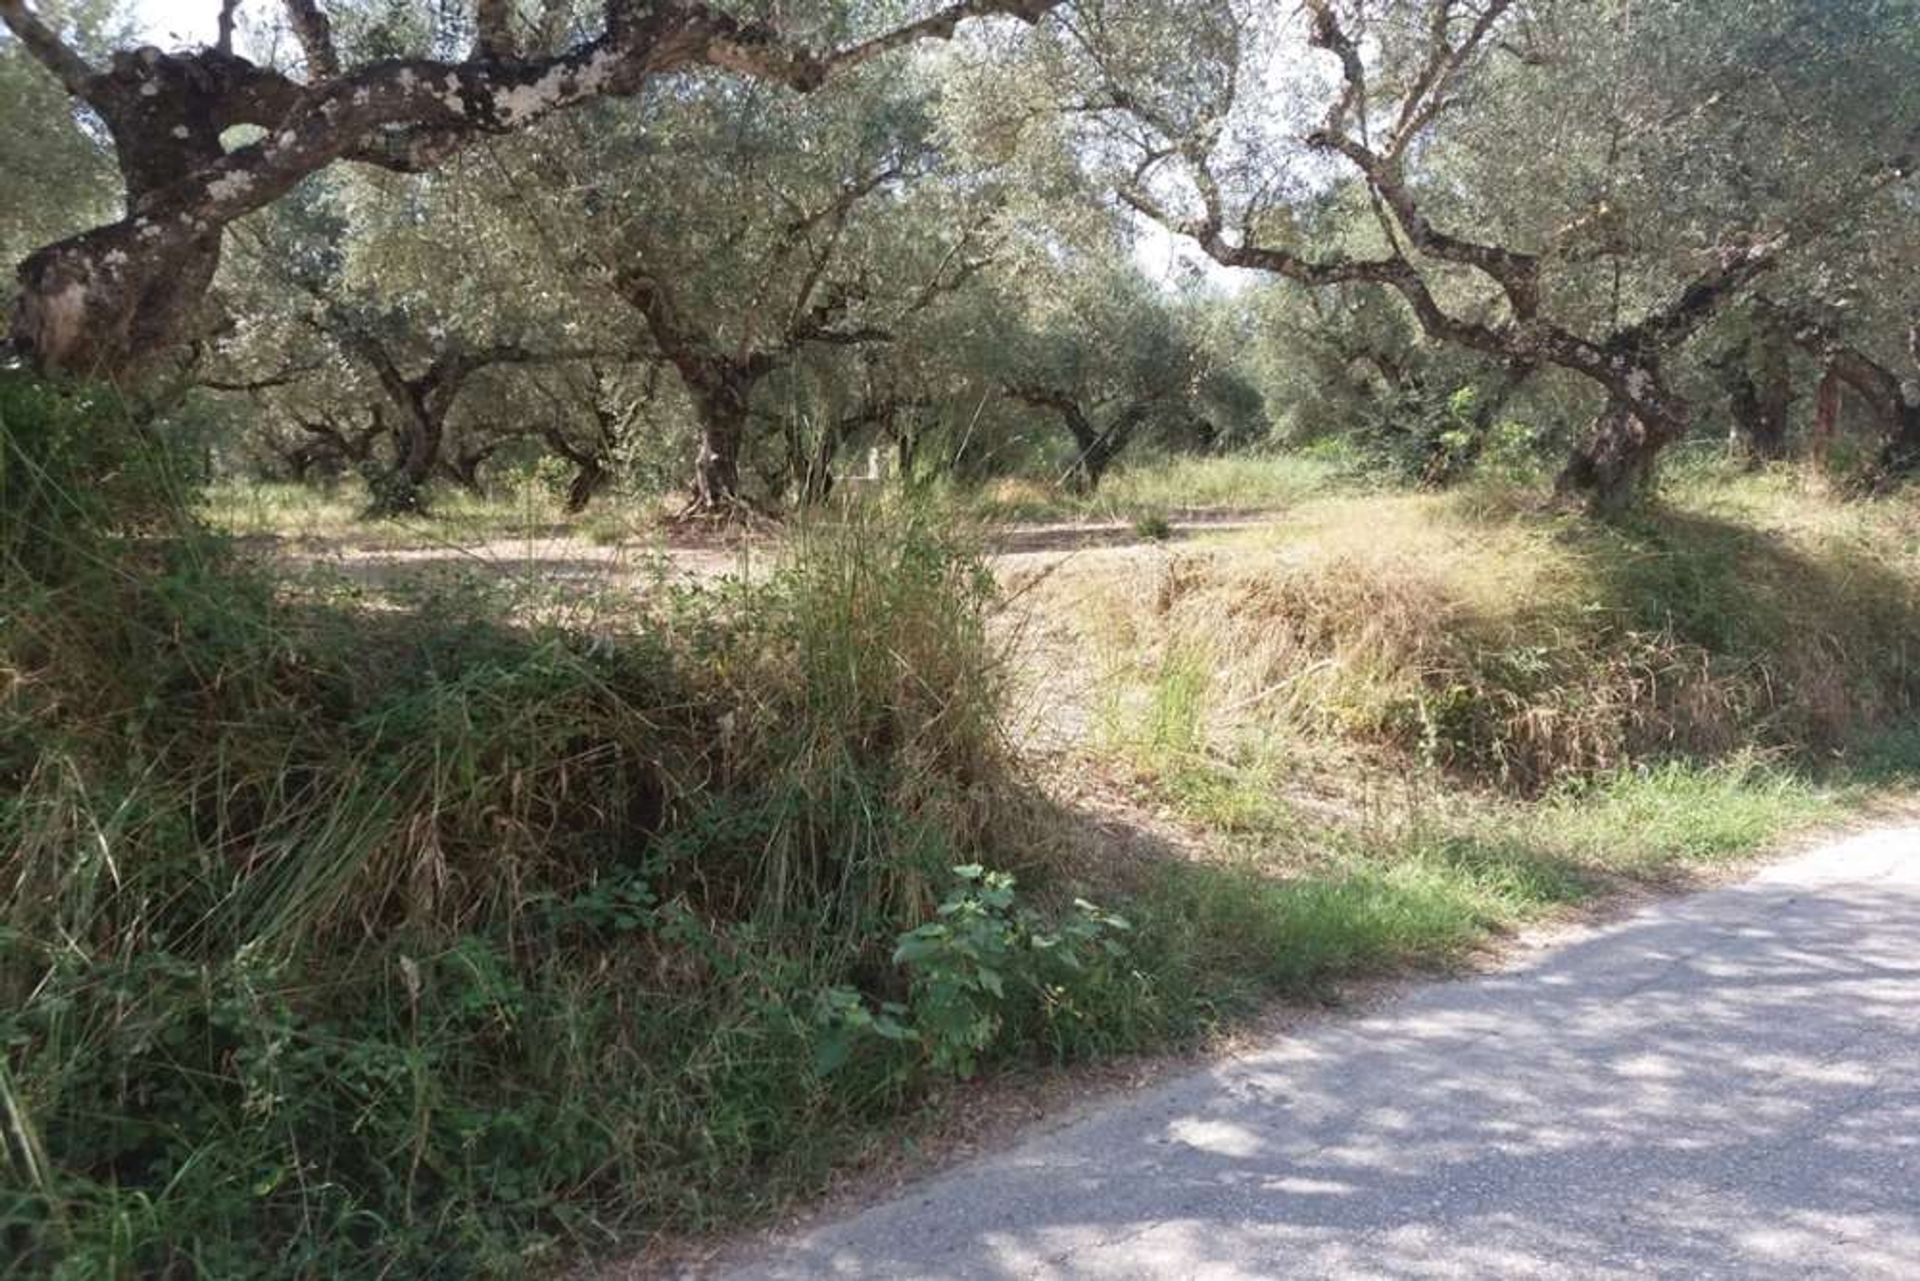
{"x": 788, "y": 231}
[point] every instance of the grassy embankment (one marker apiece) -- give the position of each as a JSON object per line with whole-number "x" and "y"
{"x": 421, "y": 935}
{"x": 1391, "y": 725}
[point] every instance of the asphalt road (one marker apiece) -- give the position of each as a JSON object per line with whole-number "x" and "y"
{"x": 1726, "y": 1085}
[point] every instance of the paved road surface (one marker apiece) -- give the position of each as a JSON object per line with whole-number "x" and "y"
{"x": 1722, "y": 1086}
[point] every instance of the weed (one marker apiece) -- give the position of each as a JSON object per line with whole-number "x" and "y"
{"x": 1152, "y": 527}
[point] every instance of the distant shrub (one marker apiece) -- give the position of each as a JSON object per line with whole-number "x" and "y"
{"x": 1153, "y": 527}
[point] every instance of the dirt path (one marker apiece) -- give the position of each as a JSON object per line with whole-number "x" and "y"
{"x": 1056, "y": 676}
{"x": 560, "y": 557}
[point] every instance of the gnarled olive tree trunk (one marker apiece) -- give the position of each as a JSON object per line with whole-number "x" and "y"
{"x": 1760, "y": 391}
{"x": 1894, "y": 401}
{"x": 402, "y": 487}
{"x": 720, "y": 403}
{"x": 1614, "y": 465}
{"x": 1095, "y": 447}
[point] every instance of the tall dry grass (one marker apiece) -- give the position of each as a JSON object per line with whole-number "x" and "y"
{"x": 425, "y": 940}
{"x": 1509, "y": 641}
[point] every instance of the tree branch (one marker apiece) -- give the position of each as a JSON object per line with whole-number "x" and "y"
{"x": 40, "y": 40}
{"x": 1427, "y": 97}
{"x": 493, "y": 19}
{"x": 550, "y": 27}
{"x": 315, "y": 34}
{"x": 291, "y": 374}
{"x": 224, "y": 40}
{"x": 1517, "y": 274}
{"x": 99, "y": 302}
{"x": 757, "y": 49}
{"x": 1878, "y": 384}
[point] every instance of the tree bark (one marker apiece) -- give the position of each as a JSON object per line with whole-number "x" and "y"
{"x": 1901, "y": 456}
{"x": 1895, "y": 402}
{"x": 1772, "y": 376}
{"x": 720, "y": 382}
{"x": 880, "y": 412}
{"x": 906, "y": 446}
{"x": 716, "y": 466}
{"x": 1826, "y": 414}
{"x": 1613, "y": 468}
{"x": 1760, "y": 390}
{"x": 348, "y": 446}
{"x": 463, "y": 466}
{"x": 401, "y": 490}
{"x": 297, "y": 462}
{"x": 1095, "y": 449}
{"x": 590, "y": 471}
{"x": 1098, "y": 449}
{"x": 589, "y": 478}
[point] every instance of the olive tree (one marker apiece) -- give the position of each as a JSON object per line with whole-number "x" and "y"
{"x": 103, "y": 301}
{"x": 1113, "y": 358}
{"x": 1595, "y": 238}
{"x": 746, "y": 232}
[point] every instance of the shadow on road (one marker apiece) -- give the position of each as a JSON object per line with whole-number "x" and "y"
{"x": 1725, "y": 1086}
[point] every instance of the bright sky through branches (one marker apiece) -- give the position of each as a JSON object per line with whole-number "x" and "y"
{"x": 170, "y": 22}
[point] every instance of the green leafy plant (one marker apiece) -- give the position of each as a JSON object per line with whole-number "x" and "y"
{"x": 982, "y": 956}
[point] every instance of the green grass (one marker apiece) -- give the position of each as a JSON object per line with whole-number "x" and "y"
{"x": 1151, "y": 492}
{"x": 517, "y": 507}
{"x": 1295, "y": 906}
{"x": 1677, "y": 816}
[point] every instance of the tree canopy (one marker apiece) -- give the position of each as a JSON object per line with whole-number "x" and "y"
{"x": 785, "y": 230}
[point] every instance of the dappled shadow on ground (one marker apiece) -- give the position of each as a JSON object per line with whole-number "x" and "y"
{"x": 1014, "y": 540}
{"x": 559, "y": 555}
{"x": 1723, "y": 1086}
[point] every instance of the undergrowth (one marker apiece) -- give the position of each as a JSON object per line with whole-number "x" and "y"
{"x": 430, "y": 940}
{"x": 1397, "y": 727}
{"x": 443, "y": 933}
{"x": 1485, "y": 635}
